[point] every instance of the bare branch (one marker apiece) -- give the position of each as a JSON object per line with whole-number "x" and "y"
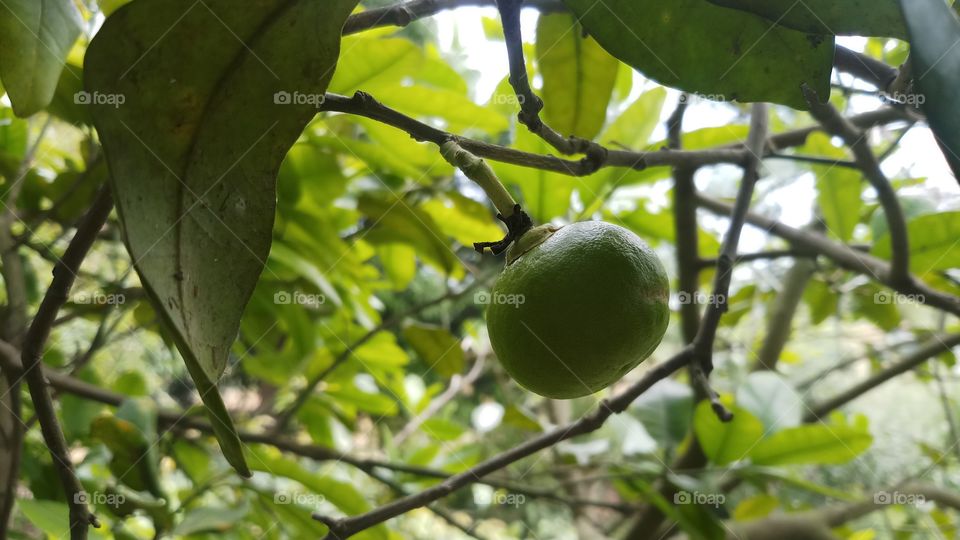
{"x": 836, "y": 124}
{"x": 346, "y": 527}
{"x": 405, "y": 13}
{"x": 933, "y": 347}
{"x": 850, "y": 259}
{"x": 33, "y": 345}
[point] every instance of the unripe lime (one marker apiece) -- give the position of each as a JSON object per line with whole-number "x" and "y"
{"x": 573, "y": 313}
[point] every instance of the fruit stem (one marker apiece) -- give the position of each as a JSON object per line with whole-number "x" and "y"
{"x": 477, "y": 170}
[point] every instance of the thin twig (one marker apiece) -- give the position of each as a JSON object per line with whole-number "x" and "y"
{"x": 835, "y": 124}
{"x": 844, "y": 256}
{"x": 346, "y": 527}
{"x": 703, "y": 343}
{"x": 64, "y": 275}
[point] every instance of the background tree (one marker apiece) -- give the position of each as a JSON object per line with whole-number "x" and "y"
{"x": 265, "y": 316}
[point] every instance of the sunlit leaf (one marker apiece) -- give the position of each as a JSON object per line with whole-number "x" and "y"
{"x": 578, "y": 76}
{"x": 35, "y": 38}
{"x": 726, "y": 54}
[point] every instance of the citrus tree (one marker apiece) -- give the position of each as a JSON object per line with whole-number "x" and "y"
{"x": 479, "y": 269}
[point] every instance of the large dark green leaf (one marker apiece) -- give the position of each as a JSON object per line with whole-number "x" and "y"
{"x": 194, "y": 143}
{"x": 35, "y": 38}
{"x": 835, "y": 17}
{"x": 699, "y": 47}
{"x": 934, "y": 32}
{"x": 578, "y": 76}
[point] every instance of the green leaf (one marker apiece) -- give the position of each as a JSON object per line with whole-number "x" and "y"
{"x": 438, "y": 348}
{"x": 394, "y": 220}
{"x": 462, "y": 218}
{"x": 878, "y": 305}
{"x": 369, "y": 64}
{"x": 665, "y": 411}
{"x": 821, "y": 300}
{"x": 834, "y": 17}
{"x": 838, "y": 188}
{"x": 194, "y": 144}
{"x": 726, "y": 442}
{"x": 211, "y": 519}
{"x": 632, "y": 128}
{"x": 35, "y": 38}
{"x": 772, "y": 399}
{"x": 933, "y": 243}
{"x": 459, "y": 113}
{"x": 578, "y": 76}
{"x": 726, "y": 54}
{"x": 343, "y": 495}
{"x": 399, "y": 264}
{"x": 934, "y": 30}
{"x": 545, "y": 195}
{"x": 821, "y": 444}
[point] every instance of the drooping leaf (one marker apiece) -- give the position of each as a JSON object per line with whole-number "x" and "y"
{"x": 725, "y": 55}
{"x": 933, "y": 242}
{"x": 194, "y": 143}
{"x": 578, "y": 76}
{"x": 834, "y": 17}
{"x": 934, "y": 30}
{"x": 726, "y": 442}
{"x": 437, "y": 347}
{"x": 35, "y": 38}
{"x": 820, "y": 444}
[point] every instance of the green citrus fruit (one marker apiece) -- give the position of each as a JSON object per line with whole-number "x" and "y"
{"x": 577, "y": 307}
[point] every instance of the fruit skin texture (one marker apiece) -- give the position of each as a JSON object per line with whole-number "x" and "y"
{"x": 590, "y": 304}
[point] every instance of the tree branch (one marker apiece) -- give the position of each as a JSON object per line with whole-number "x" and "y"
{"x": 363, "y": 104}
{"x": 405, "y": 13}
{"x": 346, "y": 527}
{"x": 33, "y": 346}
{"x": 837, "y": 125}
{"x": 843, "y": 256}
{"x": 703, "y": 343}
{"x": 182, "y": 421}
{"x": 780, "y": 318}
{"x": 935, "y": 346}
